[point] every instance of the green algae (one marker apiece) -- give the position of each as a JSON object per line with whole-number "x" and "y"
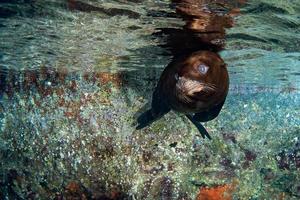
{"x": 85, "y": 133}
{"x": 96, "y": 146}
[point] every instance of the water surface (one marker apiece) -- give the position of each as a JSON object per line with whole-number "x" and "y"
{"x": 73, "y": 80}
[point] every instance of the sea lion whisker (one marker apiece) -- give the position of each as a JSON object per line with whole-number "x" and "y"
{"x": 210, "y": 84}
{"x": 184, "y": 98}
{"x": 210, "y": 87}
{"x": 206, "y": 86}
{"x": 179, "y": 95}
{"x": 193, "y": 85}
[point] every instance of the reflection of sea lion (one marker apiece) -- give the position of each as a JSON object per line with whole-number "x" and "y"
{"x": 86, "y": 7}
{"x": 205, "y": 25}
{"x": 195, "y": 85}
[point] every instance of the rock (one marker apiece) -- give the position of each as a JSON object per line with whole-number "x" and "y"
{"x": 75, "y": 191}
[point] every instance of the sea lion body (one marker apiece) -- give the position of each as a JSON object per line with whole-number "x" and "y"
{"x": 196, "y": 85}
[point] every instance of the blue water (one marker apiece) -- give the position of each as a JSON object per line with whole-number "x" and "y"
{"x": 72, "y": 83}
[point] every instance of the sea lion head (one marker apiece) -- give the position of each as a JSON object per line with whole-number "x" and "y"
{"x": 202, "y": 77}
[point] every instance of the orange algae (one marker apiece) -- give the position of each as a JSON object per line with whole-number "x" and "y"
{"x": 220, "y": 192}
{"x": 106, "y": 77}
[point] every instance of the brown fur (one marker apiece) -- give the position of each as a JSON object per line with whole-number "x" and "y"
{"x": 187, "y": 68}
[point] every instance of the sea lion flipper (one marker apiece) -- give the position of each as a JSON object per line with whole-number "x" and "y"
{"x": 145, "y": 119}
{"x": 199, "y": 126}
{"x": 149, "y": 116}
{"x": 159, "y": 108}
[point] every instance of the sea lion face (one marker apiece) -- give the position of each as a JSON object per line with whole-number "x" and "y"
{"x": 202, "y": 77}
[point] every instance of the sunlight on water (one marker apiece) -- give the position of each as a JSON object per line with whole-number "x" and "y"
{"x": 74, "y": 76}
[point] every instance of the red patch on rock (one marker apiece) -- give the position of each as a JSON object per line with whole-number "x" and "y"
{"x": 220, "y": 192}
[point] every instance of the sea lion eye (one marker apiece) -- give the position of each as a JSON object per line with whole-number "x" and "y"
{"x": 202, "y": 69}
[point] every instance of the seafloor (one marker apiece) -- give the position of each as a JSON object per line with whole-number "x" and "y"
{"x": 72, "y": 84}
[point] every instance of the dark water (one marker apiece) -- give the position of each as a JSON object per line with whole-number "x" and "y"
{"x": 73, "y": 77}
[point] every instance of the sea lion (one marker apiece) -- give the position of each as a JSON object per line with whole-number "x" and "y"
{"x": 196, "y": 85}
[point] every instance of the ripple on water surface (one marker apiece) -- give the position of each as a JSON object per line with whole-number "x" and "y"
{"x": 73, "y": 76}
